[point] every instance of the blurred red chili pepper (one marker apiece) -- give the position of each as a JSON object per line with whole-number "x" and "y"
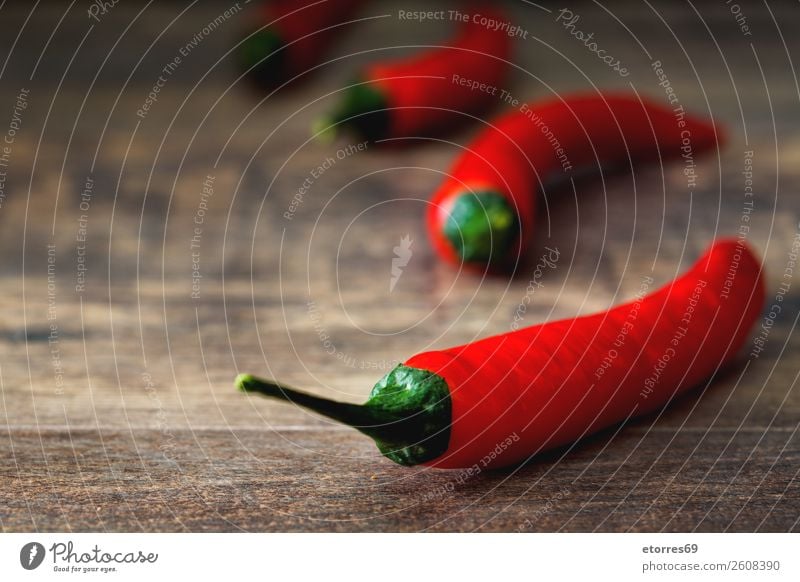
{"x": 431, "y": 91}
{"x": 483, "y": 213}
{"x": 500, "y": 400}
{"x": 291, "y": 37}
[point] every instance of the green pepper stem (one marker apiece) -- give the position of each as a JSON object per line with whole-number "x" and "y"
{"x": 362, "y": 107}
{"x": 324, "y": 130}
{"x": 371, "y": 421}
{"x": 408, "y": 413}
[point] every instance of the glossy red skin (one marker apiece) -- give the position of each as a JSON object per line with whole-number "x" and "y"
{"x": 420, "y": 90}
{"x": 539, "y": 383}
{"x": 512, "y": 156}
{"x": 302, "y": 24}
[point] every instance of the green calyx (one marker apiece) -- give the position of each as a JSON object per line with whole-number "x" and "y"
{"x": 421, "y": 400}
{"x": 262, "y": 54}
{"x": 363, "y": 107}
{"x": 408, "y": 413}
{"x": 482, "y": 227}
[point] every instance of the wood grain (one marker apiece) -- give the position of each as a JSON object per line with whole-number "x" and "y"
{"x": 126, "y": 419}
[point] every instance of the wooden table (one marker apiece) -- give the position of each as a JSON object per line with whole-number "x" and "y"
{"x": 117, "y": 361}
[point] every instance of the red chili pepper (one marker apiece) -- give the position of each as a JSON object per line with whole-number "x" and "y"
{"x": 431, "y": 91}
{"x": 291, "y": 37}
{"x": 484, "y": 211}
{"x": 500, "y": 400}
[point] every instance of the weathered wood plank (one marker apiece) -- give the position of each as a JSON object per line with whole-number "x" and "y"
{"x": 334, "y": 480}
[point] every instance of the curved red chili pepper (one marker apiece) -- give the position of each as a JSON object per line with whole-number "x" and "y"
{"x": 484, "y": 211}
{"x": 291, "y": 37}
{"x": 431, "y": 91}
{"x": 500, "y": 400}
